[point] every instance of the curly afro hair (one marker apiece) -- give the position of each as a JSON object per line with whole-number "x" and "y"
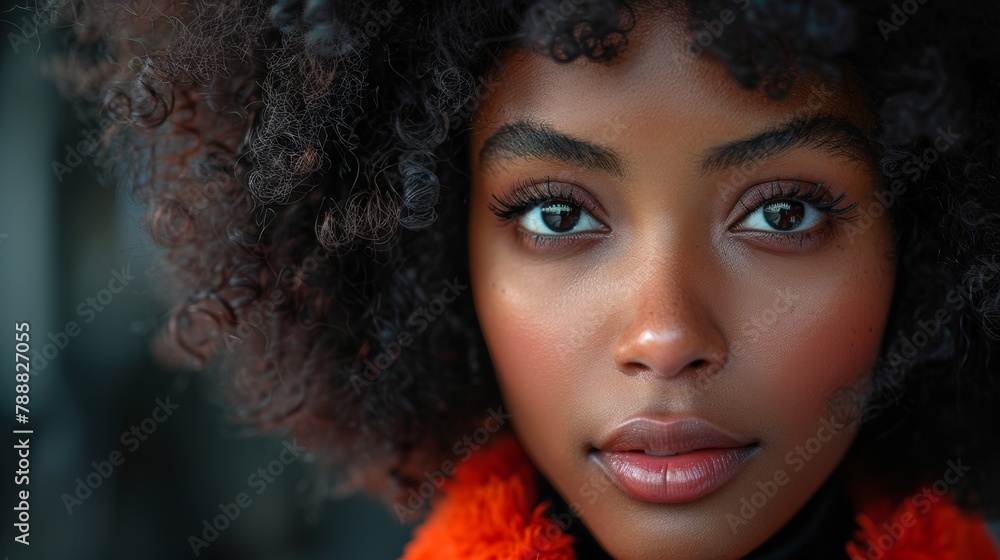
{"x": 304, "y": 165}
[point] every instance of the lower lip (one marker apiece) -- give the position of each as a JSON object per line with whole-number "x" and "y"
{"x": 674, "y": 479}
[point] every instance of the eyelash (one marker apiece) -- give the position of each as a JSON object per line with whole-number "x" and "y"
{"x": 529, "y": 193}
{"x": 817, "y": 197}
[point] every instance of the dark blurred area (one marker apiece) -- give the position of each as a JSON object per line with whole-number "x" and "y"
{"x": 127, "y": 460}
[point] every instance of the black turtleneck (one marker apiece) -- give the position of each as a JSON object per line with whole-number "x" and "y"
{"x": 819, "y": 531}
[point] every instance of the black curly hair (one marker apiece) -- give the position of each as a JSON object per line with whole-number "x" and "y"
{"x": 304, "y": 165}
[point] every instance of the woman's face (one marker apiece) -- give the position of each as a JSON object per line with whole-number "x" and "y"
{"x": 650, "y": 282}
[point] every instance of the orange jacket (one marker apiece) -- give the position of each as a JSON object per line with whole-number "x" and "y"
{"x": 489, "y": 511}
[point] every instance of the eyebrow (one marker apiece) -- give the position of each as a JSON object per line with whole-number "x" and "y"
{"x": 527, "y": 140}
{"x": 831, "y": 133}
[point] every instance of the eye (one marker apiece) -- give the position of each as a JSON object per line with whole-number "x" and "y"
{"x": 792, "y": 210}
{"x": 546, "y": 212}
{"x": 554, "y": 218}
{"x": 784, "y": 215}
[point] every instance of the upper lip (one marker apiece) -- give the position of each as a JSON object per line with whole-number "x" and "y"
{"x": 677, "y": 435}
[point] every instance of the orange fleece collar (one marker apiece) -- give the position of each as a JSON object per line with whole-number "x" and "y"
{"x": 489, "y": 511}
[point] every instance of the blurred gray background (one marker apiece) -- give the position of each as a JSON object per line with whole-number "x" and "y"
{"x": 63, "y": 238}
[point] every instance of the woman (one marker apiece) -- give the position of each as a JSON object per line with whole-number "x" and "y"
{"x": 728, "y": 269}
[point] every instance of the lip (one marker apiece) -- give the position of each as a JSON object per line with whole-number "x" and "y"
{"x": 708, "y": 457}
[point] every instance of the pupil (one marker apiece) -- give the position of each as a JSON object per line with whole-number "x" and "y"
{"x": 784, "y": 215}
{"x": 560, "y": 217}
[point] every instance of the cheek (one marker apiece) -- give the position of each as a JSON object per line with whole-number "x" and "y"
{"x": 808, "y": 342}
{"x": 541, "y": 324}
{"x": 805, "y": 354}
{"x": 539, "y": 342}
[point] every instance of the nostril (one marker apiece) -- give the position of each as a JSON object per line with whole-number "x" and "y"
{"x": 704, "y": 368}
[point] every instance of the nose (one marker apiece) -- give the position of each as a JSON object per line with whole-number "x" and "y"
{"x": 668, "y": 328}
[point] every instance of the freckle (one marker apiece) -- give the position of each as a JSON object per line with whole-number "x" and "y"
{"x": 869, "y": 329}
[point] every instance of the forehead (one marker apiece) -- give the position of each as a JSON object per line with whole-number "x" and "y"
{"x": 655, "y": 84}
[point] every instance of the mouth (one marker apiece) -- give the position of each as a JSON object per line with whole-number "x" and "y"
{"x": 672, "y": 461}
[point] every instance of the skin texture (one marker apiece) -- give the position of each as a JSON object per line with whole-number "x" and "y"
{"x": 671, "y": 310}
